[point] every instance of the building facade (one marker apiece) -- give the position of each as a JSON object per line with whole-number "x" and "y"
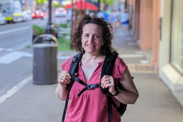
{"x": 157, "y": 25}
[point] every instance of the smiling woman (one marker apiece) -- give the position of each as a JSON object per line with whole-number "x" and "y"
{"x": 105, "y": 34}
{"x": 97, "y": 70}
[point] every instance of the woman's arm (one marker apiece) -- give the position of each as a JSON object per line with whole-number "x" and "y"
{"x": 63, "y": 79}
{"x": 129, "y": 94}
{"x": 61, "y": 92}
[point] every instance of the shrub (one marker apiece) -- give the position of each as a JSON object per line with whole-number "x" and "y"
{"x": 37, "y": 30}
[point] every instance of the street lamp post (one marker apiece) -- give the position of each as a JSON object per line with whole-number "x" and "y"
{"x": 71, "y": 26}
{"x": 98, "y": 5}
{"x": 49, "y": 29}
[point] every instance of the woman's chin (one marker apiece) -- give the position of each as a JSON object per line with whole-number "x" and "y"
{"x": 90, "y": 51}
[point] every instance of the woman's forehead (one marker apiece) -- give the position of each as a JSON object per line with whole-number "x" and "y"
{"x": 92, "y": 28}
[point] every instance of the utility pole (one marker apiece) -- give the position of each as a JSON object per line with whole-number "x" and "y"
{"x": 98, "y": 5}
{"x": 49, "y": 29}
{"x": 71, "y": 26}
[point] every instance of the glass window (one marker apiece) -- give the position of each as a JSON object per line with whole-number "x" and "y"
{"x": 177, "y": 35}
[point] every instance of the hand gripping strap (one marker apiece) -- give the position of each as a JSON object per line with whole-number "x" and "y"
{"x": 72, "y": 70}
{"x": 107, "y": 70}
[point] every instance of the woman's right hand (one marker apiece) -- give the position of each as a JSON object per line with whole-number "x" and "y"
{"x": 64, "y": 78}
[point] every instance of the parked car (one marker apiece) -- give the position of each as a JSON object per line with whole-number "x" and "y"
{"x": 11, "y": 10}
{"x": 2, "y": 19}
{"x": 27, "y": 15}
{"x": 38, "y": 14}
{"x": 60, "y": 12}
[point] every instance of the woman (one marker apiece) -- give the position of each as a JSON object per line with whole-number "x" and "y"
{"x": 125, "y": 20}
{"x": 93, "y": 37}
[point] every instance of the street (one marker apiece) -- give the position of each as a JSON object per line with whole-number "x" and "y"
{"x": 18, "y": 35}
{"x": 13, "y": 52}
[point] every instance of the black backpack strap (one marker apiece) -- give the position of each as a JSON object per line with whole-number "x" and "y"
{"x": 107, "y": 70}
{"x": 72, "y": 70}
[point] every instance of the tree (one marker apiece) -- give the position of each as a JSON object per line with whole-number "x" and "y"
{"x": 40, "y": 2}
{"x": 107, "y": 2}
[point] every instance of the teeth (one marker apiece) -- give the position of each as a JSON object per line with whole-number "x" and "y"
{"x": 90, "y": 45}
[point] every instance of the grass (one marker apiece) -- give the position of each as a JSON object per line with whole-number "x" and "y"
{"x": 64, "y": 42}
{"x": 28, "y": 46}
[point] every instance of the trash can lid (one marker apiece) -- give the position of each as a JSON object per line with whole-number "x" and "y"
{"x": 44, "y": 45}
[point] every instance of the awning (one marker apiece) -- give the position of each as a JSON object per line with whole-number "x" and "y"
{"x": 82, "y": 5}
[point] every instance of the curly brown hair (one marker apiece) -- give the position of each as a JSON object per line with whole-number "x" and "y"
{"x": 106, "y": 34}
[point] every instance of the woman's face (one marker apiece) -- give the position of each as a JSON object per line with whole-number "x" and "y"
{"x": 92, "y": 38}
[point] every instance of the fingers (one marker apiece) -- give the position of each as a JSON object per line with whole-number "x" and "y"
{"x": 107, "y": 81}
{"x": 108, "y": 85}
{"x": 64, "y": 77}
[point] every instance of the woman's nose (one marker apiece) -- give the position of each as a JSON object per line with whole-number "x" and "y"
{"x": 90, "y": 39}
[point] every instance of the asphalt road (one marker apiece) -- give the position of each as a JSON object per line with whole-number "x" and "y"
{"x": 15, "y": 36}
{"x": 18, "y": 35}
{"x": 14, "y": 64}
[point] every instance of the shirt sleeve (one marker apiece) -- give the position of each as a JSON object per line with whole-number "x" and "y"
{"x": 119, "y": 68}
{"x": 66, "y": 65}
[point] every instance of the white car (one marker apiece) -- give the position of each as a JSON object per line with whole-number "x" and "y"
{"x": 60, "y": 12}
{"x": 27, "y": 15}
{"x": 2, "y": 19}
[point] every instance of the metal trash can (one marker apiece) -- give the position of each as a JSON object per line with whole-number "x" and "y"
{"x": 45, "y": 61}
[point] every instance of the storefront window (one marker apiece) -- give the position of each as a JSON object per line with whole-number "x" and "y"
{"x": 177, "y": 35}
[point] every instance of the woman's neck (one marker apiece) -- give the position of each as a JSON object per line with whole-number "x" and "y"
{"x": 90, "y": 57}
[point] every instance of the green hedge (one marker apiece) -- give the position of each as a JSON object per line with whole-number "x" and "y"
{"x": 37, "y": 30}
{"x": 64, "y": 43}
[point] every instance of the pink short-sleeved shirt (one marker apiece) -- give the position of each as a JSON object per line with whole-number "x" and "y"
{"x": 92, "y": 105}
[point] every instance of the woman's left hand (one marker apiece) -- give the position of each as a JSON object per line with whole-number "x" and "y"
{"x": 108, "y": 82}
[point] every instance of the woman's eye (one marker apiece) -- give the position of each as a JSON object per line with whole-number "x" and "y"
{"x": 96, "y": 36}
{"x": 86, "y": 35}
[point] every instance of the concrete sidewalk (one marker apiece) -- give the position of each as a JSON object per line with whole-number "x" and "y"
{"x": 156, "y": 103}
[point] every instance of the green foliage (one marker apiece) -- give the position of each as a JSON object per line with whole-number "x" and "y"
{"x": 28, "y": 46}
{"x": 40, "y": 2}
{"x": 63, "y": 25}
{"x": 37, "y": 30}
{"x": 109, "y": 2}
{"x": 64, "y": 42}
{"x": 56, "y": 5}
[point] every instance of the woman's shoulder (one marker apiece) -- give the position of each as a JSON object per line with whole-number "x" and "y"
{"x": 119, "y": 61}
{"x": 119, "y": 68}
{"x": 69, "y": 60}
{"x": 66, "y": 65}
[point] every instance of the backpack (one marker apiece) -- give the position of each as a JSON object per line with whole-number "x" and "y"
{"x": 106, "y": 70}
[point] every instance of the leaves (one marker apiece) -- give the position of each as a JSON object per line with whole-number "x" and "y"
{"x": 108, "y": 2}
